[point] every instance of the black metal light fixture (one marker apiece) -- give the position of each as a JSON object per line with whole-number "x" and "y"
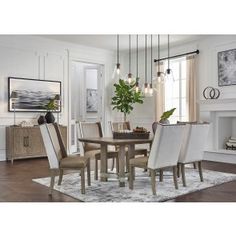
{"x": 145, "y": 91}
{"x": 137, "y": 76}
{"x": 130, "y": 76}
{"x": 118, "y": 55}
{"x": 160, "y": 75}
{"x": 169, "y": 72}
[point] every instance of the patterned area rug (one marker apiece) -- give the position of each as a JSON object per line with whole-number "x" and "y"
{"x": 111, "y": 192}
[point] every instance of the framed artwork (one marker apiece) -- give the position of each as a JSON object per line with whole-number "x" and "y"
{"x": 227, "y": 67}
{"x": 92, "y": 100}
{"x": 32, "y": 94}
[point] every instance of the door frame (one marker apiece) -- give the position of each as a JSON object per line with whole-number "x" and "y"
{"x": 101, "y": 86}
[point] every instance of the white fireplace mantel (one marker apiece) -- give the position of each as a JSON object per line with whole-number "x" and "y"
{"x": 228, "y": 104}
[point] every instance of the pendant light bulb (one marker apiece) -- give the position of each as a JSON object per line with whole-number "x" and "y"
{"x": 136, "y": 87}
{"x": 150, "y": 90}
{"x": 118, "y": 68}
{"x": 145, "y": 88}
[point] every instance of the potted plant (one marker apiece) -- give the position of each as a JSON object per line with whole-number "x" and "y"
{"x": 50, "y": 107}
{"x": 166, "y": 115}
{"x": 125, "y": 97}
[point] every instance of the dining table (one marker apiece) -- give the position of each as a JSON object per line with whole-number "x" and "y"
{"x": 121, "y": 144}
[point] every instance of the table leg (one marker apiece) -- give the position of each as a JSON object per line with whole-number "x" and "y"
{"x": 103, "y": 172}
{"x": 131, "y": 149}
{"x": 122, "y": 165}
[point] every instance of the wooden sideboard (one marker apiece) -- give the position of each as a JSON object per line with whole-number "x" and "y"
{"x": 27, "y": 142}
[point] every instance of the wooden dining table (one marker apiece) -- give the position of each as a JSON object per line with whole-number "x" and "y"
{"x": 121, "y": 144}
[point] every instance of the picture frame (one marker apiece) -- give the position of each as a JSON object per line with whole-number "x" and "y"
{"x": 91, "y": 100}
{"x": 227, "y": 67}
{"x": 33, "y": 94}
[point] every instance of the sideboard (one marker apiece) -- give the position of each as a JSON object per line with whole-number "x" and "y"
{"x": 27, "y": 142}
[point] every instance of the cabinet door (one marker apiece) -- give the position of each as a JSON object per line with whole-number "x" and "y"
{"x": 36, "y": 146}
{"x": 20, "y": 142}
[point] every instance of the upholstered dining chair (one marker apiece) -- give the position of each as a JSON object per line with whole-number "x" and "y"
{"x": 161, "y": 156}
{"x": 58, "y": 158}
{"x": 125, "y": 125}
{"x": 192, "y": 148}
{"x": 93, "y": 151}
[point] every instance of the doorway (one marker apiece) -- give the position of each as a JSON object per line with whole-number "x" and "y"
{"x": 86, "y": 97}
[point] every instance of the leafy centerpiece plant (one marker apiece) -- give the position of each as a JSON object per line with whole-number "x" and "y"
{"x": 125, "y": 97}
{"x": 166, "y": 115}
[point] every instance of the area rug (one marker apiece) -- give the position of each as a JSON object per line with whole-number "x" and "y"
{"x": 111, "y": 192}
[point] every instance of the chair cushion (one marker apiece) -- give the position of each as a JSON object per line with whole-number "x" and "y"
{"x": 74, "y": 161}
{"x": 139, "y": 161}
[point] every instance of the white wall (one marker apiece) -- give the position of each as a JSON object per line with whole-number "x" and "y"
{"x": 40, "y": 58}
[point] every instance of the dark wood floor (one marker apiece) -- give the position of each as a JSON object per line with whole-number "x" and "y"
{"x": 16, "y": 184}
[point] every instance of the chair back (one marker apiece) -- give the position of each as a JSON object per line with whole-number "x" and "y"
{"x": 90, "y": 129}
{"x": 166, "y": 146}
{"x": 51, "y": 144}
{"x": 116, "y": 126}
{"x": 154, "y": 126}
{"x": 194, "y": 142}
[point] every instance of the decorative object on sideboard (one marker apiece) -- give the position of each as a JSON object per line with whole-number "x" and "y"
{"x": 227, "y": 67}
{"x": 41, "y": 120}
{"x": 58, "y": 102}
{"x": 166, "y": 115}
{"x": 211, "y": 93}
{"x": 13, "y": 100}
{"x": 33, "y": 94}
{"x": 26, "y": 124}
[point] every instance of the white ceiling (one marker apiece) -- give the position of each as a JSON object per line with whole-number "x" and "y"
{"x": 109, "y": 41}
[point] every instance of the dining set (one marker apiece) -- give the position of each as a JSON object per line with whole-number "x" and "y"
{"x": 171, "y": 147}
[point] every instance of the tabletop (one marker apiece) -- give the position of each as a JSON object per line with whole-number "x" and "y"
{"x": 112, "y": 141}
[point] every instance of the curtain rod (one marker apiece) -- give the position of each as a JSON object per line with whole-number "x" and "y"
{"x": 180, "y": 55}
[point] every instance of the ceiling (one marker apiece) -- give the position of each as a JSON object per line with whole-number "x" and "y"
{"x": 109, "y": 41}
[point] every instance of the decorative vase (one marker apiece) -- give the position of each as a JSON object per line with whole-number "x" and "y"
{"x": 49, "y": 117}
{"x": 41, "y": 120}
{"x": 166, "y": 122}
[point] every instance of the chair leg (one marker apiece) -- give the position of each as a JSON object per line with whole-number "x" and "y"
{"x": 96, "y": 170}
{"x": 52, "y": 182}
{"x": 161, "y": 175}
{"x": 127, "y": 162}
{"x": 153, "y": 179}
{"x": 88, "y": 173}
{"x": 200, "y": 170}
{"x": 183, "y": 174}
{"x": 60, "y": 176}
{"x": 194, "y": 165}
{"x": 82, "y": 181}
{"x": 131, "y": 177}
{"x": 178, "y": 169}
{"x": 175, "y": 178}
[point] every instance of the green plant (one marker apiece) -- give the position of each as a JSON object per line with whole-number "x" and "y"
{"x": 51, "y": 105}
{"x": 125, "y": 97}
{"x": 167, "y": 114}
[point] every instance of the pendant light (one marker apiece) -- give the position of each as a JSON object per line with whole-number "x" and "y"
{"x": 150, "y": 90}
{"x": 130, "y": 79}
{"x": 137, "y": 76}
{"x": 160, "y": 75}
{"x": 169, "y": 72}
{"x": 116, "y": 73}
{"x": 145, "y": 91}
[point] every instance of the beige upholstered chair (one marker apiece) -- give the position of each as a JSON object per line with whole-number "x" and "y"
{"x": 161, "y": 156}
{"x": 192, "y": 148}
{"x": 58, "y": 158}
{"x": 115, "y": 127}
{"x": 94, "y": 129}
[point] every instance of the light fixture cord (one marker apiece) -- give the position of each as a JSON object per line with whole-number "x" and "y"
{"x": 151, "y": 58}
{"x": 118, "y": 49}
{"x": 158, "y": 52}
{"x": 129, "y": 53}
{"x": 168, "y": 37}
{"x": 145, "y": 58}
{"x": 137, "y": 56}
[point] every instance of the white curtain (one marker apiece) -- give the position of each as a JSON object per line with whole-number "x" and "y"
{"x": 191, "y": 89}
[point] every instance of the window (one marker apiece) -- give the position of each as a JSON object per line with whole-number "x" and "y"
{"x": 175, "y": 91}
